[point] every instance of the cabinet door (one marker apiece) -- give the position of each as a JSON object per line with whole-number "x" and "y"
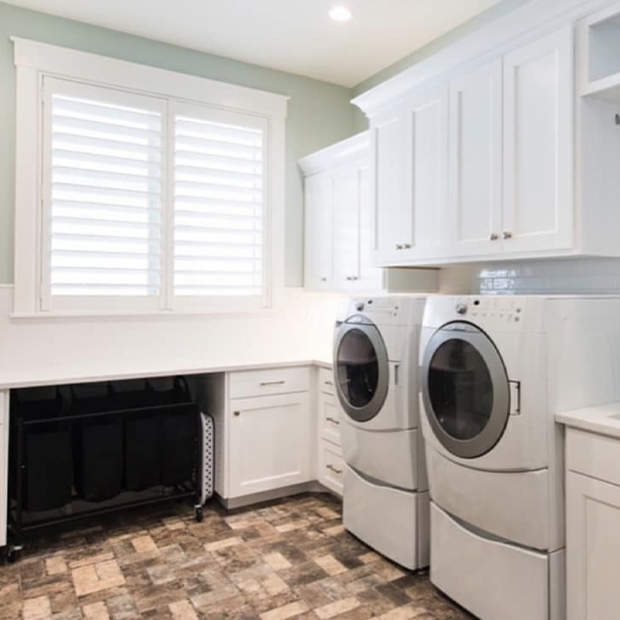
{"x": 270, "y": 443}
{"x": 593, "y": 548}
{"x": 539, "y": 145}
{"x": 475, "y": 203}
{"x": 387, "y": 152}
{"x": 319, "y": 251}
{"x": 422, "y": 226}
{"x": 367, "y": 277}
{"x": 346, "y": 226}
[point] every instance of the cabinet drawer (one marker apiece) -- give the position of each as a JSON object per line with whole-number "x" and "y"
{"x": 267, "y": 382}
{"x": 593, "y": 455}
{"x": 326, "y": 381}
{"x": 331, "y": 467}
{"x": 329, "y": 418}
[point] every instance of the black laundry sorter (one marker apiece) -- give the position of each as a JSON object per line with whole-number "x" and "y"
{"x": 88, "y": 449}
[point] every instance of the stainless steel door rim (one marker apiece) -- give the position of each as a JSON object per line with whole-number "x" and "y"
{"x": 468, "y": 335}
{"x": 366, "y": 331}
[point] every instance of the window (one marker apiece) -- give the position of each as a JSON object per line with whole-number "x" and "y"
{"x": 151, "y": 198}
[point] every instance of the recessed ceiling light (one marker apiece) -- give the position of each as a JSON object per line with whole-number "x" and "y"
{"x": 340, "y": 14}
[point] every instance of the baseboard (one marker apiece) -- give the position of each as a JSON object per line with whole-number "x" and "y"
{"x": 267, "y": 496}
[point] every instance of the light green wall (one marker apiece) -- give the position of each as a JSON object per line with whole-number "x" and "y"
{"x": 319, "y": 114}
{"x": 496, "y": 12}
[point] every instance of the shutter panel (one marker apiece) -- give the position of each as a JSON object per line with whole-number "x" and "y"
{"x": 219, "y": 203}
{"x": 105, "y": 192}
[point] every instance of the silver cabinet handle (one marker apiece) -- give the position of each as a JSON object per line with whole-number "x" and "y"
{"x": 494, "y": 237}
{"x": 334, "y": 469}
{"x": 329, "y": 383}
{"x": 507, "y": 235}
{"x": 407, "y": 246}
{"x": 265, "y": 383}
{"x": 237, "y": 413}
{"x": 399, "y": 246}
{"x": 333, "y": 421}
{"x": 323, "y": 279}
{"x": 349, "y": 278}
{"x": 354, "y": 278}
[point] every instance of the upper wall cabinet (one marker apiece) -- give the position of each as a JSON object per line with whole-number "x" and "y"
{"x": 339, "y": 226}
{"x": 483, "y": 166}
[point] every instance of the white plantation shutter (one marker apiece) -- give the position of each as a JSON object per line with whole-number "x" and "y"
{"x": 103, "y": 193}
{"x": 219, "y": 203}
{"x": 151, "y": 204}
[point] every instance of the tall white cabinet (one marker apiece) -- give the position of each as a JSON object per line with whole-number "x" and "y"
{"x": 340, "y": 231}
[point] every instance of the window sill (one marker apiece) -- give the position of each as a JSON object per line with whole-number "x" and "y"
{"x": 164, "y": 314}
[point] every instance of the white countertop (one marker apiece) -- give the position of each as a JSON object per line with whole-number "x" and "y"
{"x": 603, "y": 419}
{"x": 168, "y": 373}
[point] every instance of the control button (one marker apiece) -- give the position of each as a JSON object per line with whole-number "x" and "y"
{"x": 461, "y": 309}
{"x": 359, "y": 306}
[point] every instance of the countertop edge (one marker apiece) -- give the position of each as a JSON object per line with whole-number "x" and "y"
{"x": 596, "y": 420}
{"x": 207, "y": 370}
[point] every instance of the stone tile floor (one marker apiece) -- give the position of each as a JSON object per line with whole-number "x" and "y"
{"x": 286, "y": 559}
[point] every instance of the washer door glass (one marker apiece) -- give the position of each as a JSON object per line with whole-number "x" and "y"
{"x": 361, "y": 371}
{"x": 465, "y": 390}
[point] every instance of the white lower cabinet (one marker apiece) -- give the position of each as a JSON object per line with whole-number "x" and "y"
{"x": 275, "y": 428}
{"x": 592, "y": 526}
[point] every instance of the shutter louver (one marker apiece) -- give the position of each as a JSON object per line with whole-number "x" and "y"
{"x": 106, "y": 196}
{"x": 218, "y": 208}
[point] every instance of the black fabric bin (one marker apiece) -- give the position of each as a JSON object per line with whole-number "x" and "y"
{"x": 142, "y": 435}
{"x": 178, "y": 429}
{"x": 98, "y": 444}
{"x": 48, "y": 456}
{"x": 179, "y": 436}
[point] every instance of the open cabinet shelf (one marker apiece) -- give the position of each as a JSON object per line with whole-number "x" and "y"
{"x": 599, "y": 39}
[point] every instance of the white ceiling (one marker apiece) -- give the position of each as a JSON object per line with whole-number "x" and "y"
{"x": 292, "y": 35}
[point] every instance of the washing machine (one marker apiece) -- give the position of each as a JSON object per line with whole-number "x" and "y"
{"x": 494, "y": 370}
{"x": 385, "y": 497}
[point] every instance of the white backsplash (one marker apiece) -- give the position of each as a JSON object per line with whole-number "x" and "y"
{"x": 556, "y": 277}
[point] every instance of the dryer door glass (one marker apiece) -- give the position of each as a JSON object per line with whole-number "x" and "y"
{"x": 460, "y": 389}
{"x": 358, "y": 368}
{"x": 465, "y": 390}
{"x": 361, "y": 371}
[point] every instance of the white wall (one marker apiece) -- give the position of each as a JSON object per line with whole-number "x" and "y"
{"x": 37, "y": 351}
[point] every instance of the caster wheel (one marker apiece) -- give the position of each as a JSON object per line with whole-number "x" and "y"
{"x": 13, "y": 554}
{"x": 199, "y": 514}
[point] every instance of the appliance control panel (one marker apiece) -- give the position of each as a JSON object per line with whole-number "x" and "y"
{"x": 386, "y": 310}
{"x": 502, "y": 308}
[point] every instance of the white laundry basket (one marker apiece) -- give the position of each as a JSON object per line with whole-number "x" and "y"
{"x": 206, "y": 464}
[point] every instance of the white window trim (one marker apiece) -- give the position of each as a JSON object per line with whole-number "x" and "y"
{"x": 33, "y": 61}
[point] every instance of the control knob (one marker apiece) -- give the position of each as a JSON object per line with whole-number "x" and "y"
{"x": 359, "y": 306}
{"x": 461, "y": 309}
